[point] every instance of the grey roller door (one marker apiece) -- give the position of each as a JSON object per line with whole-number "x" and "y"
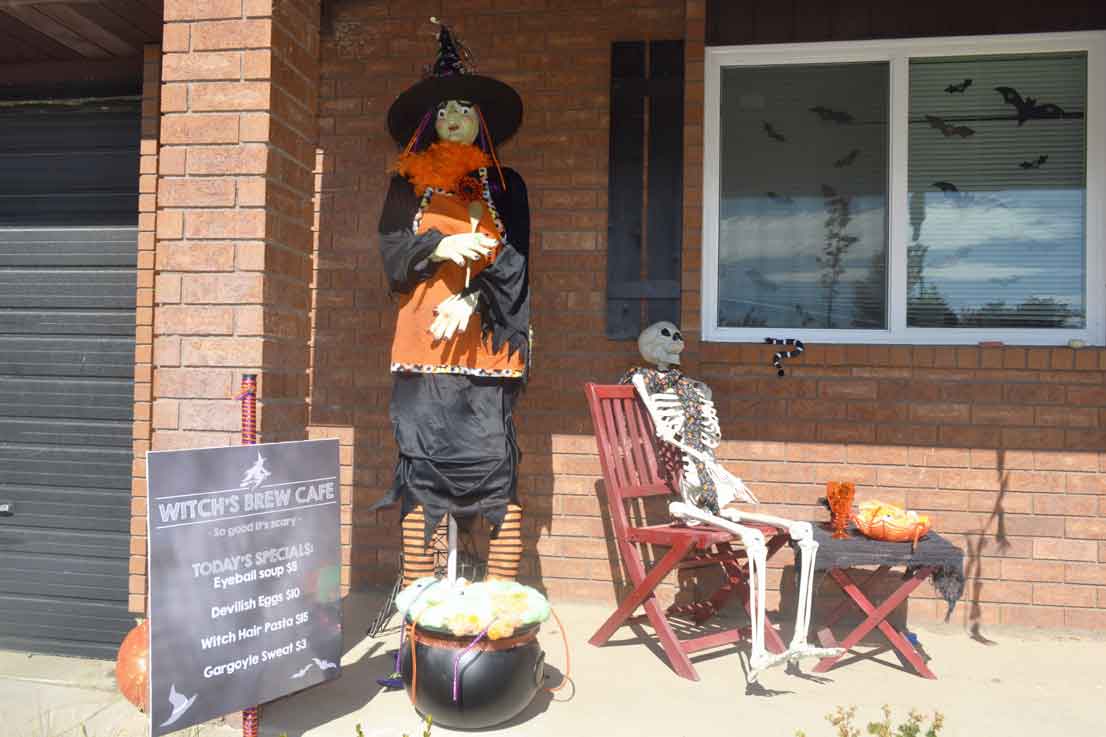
{"x": 68, "y": 250}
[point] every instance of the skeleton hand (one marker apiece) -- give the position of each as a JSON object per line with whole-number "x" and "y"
{"x": 457, "y": 248}
{"x": 453, "y": 315}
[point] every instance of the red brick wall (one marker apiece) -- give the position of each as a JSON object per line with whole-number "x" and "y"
{"x": 235, "y": 215}
{"x": 977, "y": 437}
{"x": 233, "y": 192}
{"x": 211, "y": 218}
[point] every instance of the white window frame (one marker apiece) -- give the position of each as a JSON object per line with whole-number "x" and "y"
{"x": 897, "y": 53}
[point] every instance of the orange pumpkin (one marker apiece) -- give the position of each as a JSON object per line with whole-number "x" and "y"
{"x": 882, "y": 521}
{"x": 131, "y": 674}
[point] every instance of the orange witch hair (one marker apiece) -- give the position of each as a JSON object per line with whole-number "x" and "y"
{"x": 491, "y": 147}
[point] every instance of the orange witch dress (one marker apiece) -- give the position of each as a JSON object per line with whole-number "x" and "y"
{"x": 469, "y": 351}
{"x": 452, "y": 400}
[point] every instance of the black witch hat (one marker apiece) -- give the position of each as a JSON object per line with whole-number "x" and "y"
{"x": 450, "y": 77}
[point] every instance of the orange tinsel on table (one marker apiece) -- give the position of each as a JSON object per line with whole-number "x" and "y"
{"x": 882, "y": 521}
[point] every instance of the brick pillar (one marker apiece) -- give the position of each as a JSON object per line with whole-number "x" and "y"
{"x": 234, "y": 217}
{"x": 144, "y": 320}
{"x": 226, "y": 212}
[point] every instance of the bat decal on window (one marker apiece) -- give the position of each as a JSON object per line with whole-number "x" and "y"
{"x": 948, "y": 131}
{"x": 1027, "y": 108}
{"x": 833, "y": 116}
{"x": 774, "y": 134}
{"x": 847, "y": 159}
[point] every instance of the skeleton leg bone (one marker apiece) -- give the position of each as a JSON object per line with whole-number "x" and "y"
{"x": 803, "y": 534}
{"x": 800, "y": 644}
{"x": 757, "y": 551}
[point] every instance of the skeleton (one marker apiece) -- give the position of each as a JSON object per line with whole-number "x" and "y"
{"x": 684, "y": 416}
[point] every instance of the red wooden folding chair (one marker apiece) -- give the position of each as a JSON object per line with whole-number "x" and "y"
{"x": 633, "y": 469}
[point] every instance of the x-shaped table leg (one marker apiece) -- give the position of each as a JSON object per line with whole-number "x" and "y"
{"x": 877, "y": 617}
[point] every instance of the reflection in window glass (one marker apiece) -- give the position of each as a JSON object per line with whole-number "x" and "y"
{"x": 802, "y": 239}
{"x": 997, "y": 182}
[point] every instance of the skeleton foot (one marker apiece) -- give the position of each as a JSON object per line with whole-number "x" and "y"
{"x": 763, "y": 661}
{"x": 812, "y": 651}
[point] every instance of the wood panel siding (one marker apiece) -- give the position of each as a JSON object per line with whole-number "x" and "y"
{"x": 735, "y": 22}
{"x": 48, "y": 30}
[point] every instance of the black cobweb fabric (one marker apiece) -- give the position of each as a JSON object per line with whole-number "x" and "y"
{"x": 458, "y": 452}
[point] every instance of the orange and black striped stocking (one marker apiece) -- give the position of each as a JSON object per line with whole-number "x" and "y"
{"x": 418, "y": 556}
{"x": 505, "y": 550}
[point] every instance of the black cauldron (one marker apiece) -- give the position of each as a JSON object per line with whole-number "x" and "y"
{"x": 496, "y": 679}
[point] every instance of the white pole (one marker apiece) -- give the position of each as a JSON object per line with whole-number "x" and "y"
{"x": 451, "y": 561}
{"x": 476, "y": 211}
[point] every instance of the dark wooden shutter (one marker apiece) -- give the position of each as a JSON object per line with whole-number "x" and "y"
{"x": 645, "y": 186}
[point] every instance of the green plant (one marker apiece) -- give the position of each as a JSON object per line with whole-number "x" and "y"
{"x": 842, "y": 721}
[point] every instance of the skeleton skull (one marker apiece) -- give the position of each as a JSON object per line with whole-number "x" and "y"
{"x": 661, "y": 344}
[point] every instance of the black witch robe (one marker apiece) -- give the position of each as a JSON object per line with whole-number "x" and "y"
{"x": 458, "y": 452}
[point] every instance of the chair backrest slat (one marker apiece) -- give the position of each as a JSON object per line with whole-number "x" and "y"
{"x": 636, "y": 442}
{"x": 646, "y": 432}
{"x": 627, "y": 452}
{"x": 625, "y": 444}
{"x": 611, "y": 448}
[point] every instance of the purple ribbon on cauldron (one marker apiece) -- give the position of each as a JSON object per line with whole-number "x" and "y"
{"x": 395, "y": 681}
{"x": 457, "y": 661}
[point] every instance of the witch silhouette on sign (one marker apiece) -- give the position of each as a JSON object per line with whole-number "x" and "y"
{"x": 256, "y": 474}
{"x": 180, "y": 704}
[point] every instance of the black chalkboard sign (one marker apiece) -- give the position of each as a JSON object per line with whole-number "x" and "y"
{"x": 244, "y": 577}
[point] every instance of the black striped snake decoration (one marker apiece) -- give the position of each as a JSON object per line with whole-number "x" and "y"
{"x": 777, "y": 359}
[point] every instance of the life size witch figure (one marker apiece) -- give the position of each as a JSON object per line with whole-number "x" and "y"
{"x": 454, "y": 239}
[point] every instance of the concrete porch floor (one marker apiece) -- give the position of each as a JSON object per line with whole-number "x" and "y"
{"x": 1028, "y": 682}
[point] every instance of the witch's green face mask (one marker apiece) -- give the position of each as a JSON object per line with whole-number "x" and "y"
{"x": 457, "y": 121}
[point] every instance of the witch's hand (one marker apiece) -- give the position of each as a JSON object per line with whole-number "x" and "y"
{"x": 453, "y": 315}
{"x": 463, "y": 246}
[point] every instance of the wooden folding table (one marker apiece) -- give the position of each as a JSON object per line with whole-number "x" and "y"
{"x": 934, "y": 557}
